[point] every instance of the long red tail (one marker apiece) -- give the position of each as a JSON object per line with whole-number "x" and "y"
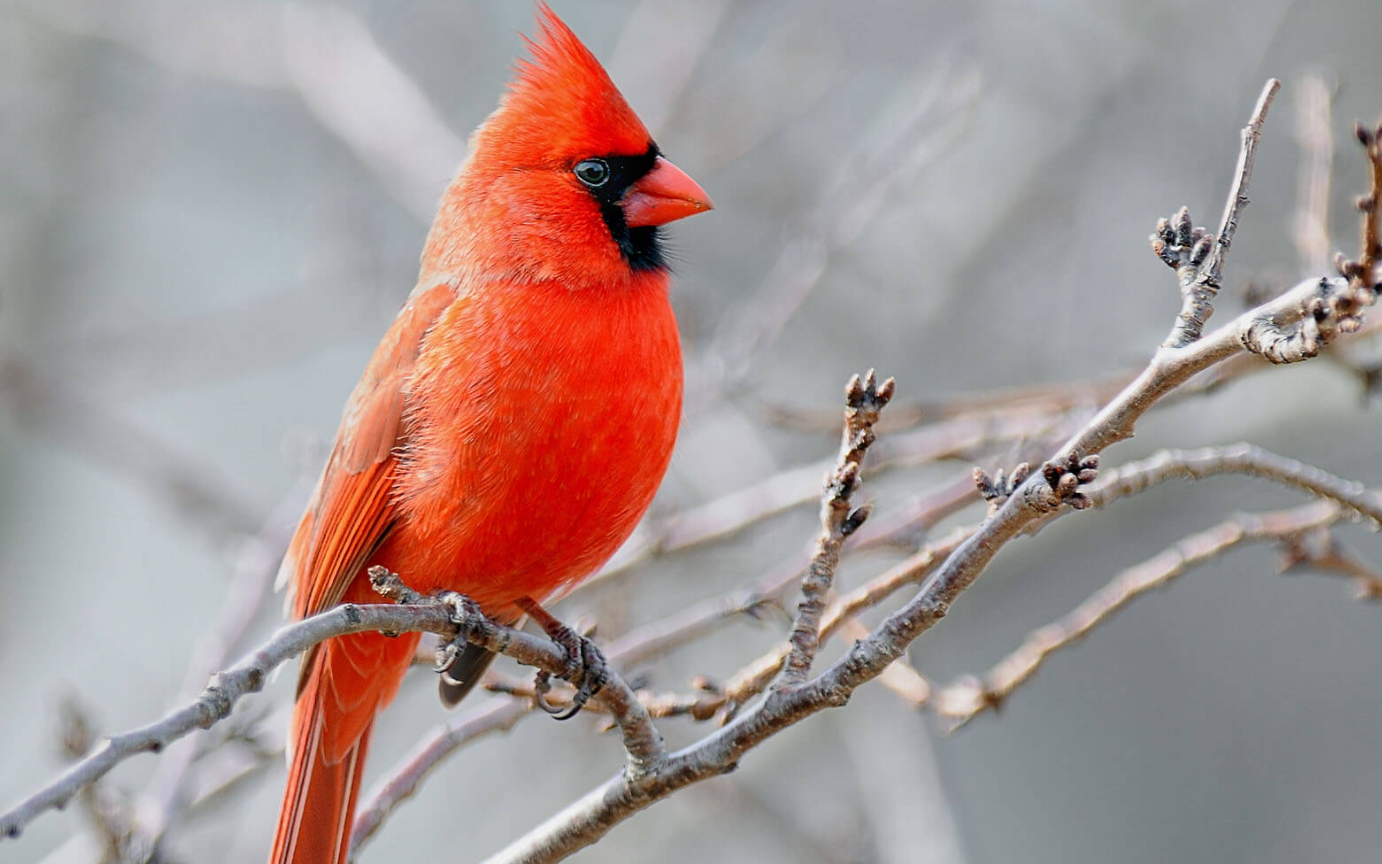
{"x": 349, "y": 680}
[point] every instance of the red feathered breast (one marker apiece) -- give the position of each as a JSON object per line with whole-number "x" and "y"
{"x": 540, "y": 422}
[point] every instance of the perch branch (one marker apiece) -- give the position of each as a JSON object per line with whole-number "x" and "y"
{"x": 642, "y": 742}
{"x": 251, "y": 672}
{"x": 216, "y": 701}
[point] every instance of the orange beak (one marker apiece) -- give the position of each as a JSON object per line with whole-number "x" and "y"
{"x": 663, "y": 195}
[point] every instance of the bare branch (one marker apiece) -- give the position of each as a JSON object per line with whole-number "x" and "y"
{"x": 1201, "y": 265}
{"x": 642, "y": 742}
{"x": 735, "y": 511}
{"x": 402, "y": 782}
{"x": 1356, "y": 501}
{"x": 839, "y": 519}
{"x": 659, "y": 47}
{"x": 216, "y": 701}
{"x": 1122, "y": 482}
{"x": 1296, "y": 327}
{"x": 1318, "y": 549}
{"x": 1026, "y": 401}
{"x": 251, "y": 672}
{"x": 1362, "y": 272}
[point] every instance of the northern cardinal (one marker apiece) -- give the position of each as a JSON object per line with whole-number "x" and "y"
{"x": 515, "y": 421}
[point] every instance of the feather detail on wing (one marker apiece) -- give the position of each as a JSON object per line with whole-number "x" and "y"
{"x": 353, "y": 506}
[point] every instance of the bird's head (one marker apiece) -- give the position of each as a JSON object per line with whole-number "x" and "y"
{"x": 563, "y": 179}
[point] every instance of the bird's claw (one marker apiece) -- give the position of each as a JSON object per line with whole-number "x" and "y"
{"x": 462, "y": 611}
{"x": 586, "y": 670}
{"x": 447, "y": 652}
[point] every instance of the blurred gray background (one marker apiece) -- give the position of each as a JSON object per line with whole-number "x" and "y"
{"x": 209, "y": 212}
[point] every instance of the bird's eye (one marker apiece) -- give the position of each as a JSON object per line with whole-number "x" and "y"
{"x": 592, "y": 172}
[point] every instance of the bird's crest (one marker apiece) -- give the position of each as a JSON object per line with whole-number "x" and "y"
{"x": 562, "y": 103}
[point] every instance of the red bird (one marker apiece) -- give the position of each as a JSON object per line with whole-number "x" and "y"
{"x": 516, "y": 419}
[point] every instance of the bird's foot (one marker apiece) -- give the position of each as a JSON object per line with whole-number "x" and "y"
{"x": 463, "y": 612}
{"x": 586, "y": 669}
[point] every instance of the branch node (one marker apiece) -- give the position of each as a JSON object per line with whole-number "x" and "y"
{"x": 1064, "y": 477}
{"x": 1000, "y": 487}
{"x": 1337, "y": 305}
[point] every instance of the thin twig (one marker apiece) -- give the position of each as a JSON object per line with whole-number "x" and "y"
{"x": 1024, "y": 401}
{"x": 402, "y": 782}
{"x": 1199, "y": 292}
{"x": 1321, "y": 551}
{"x": 839, "y": 519}
{"x": 1297, "y": 327}
{"x": 1356, "y": 500}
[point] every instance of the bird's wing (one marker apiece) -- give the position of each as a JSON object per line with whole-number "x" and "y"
{"x": 354, "y": 507}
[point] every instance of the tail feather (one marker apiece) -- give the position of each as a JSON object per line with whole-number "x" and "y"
{"x": 319, "y": 802}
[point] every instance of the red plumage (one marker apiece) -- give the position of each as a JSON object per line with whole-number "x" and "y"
{"x": 516, "y": 419}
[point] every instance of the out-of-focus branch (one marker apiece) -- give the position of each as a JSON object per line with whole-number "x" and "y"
{"x": 1027, "y": 401}
{"x": 659, "y": 48}
{"x": 799, "y": 486}
{"x": 321, "y": 52}
{"x": 969, "y": 697}
{"x": 107, "y": 811}
{"x": 1297, "y": 326}
{"x": 848, "y": 206}
{"x": 251, "y": 584}
{"x": 1315, "y": 134}
{"x": 1319, "y": 550}
{"x": 402, "y": 781}
{"x": 190, "y": 488}
{"x": 1008, "y": 401}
